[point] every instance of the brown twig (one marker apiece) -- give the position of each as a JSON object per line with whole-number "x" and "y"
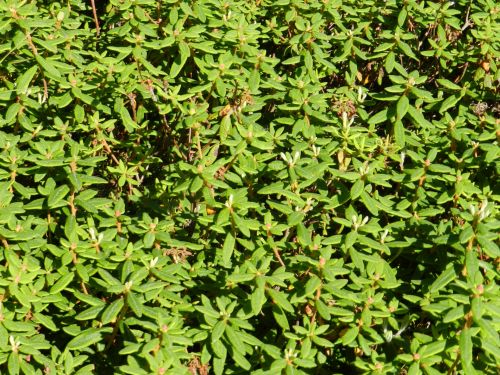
{"x": 278, "y": 256}
{"x": 96, "y": 20}
{"x": 108, "y": 150}
{"x": 45, "y": 90}
{"x": 84, "y": 288}
{"x": 198, "y": 144}
{"x": 451, "y": 370}
{"x": 459, "y": 78}
{"x": 30, "y": 44}
{"x": 71, "y": 203}
{"x": 467, "y": 21}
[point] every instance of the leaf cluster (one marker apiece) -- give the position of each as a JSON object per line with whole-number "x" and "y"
{"x": 264, "y": 186}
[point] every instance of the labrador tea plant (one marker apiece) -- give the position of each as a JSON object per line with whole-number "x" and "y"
{"x": 249, "y": 187}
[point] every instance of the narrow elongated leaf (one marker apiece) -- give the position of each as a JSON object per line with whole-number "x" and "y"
{"x": 218, "y": 331}
{"x": 432, "y": 349}
{"x": 357, "y": 189}
{"x": 257, "y": 300}
{"x": 13, "y": 363}
{"x": 280, "y": 299}
{"x": 402, "y": 107}
{"x": 227, "y": 249}
{"x": 241, "y": 360}
{"x": 134, "y": 303}
{"x": 90, "y": 313}
{"x": 45, "y": 321}
{"x": 444, "y": 279}
{"x": 448, "y": 84}
{"x": 85, "y": 339}
{"x": 62, "y": 283}
{"x": 48, "y": 67}
{"x": 491, "y": 348}
{"x": 449, "y": 102}
{"x": 350, "y": 335}
{"x": 111, "y": 312}
{"x": 466, "y": 351}
{"x": 24, "y": 81}
{"x": 234, "y": 338}
{"x": 399, "y": 133}
{"x": 180, "y": 60}
{"x": 55, "y": 198}
{"x": 379, "y": 117}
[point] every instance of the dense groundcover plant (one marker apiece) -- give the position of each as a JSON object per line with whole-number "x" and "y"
{"x": 261, "y": 186}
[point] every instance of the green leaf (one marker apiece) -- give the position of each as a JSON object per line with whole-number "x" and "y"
{"x": 312, "y": 286}
{"x": 432, "y": 349}
{"x": 488, "y": 246}
{"x": 62, "y": 283}
{"x": 75, "y": 181}
{"x": 233, "y": 337}
{"x": 50, "y": 163}
{"x": 291, "y": 61}
{"x": 399, "y": 133}
{"x": 227, "y": 249}
{"x": 350, "y": 239}
{"x": 322, "y": 309}
{"x": 448, "y": 84}
{"x": 454, "y": 314}
{"x": 225, "y": 127}
{"x": 178, "y": 64}
{"x": 403, "y": 46}
{"x": 402, "y": 107}
{"x": 55, "y": 198}
{"x": 350, "y": 335}
{"x": 280, "y": 299}
{"x": 45, "y": 321}
{"x": 295, "y": 218}
{"x": 444, "y": 279}
{"x": 23, "y": 82}
{"x": 241, "y": 360}
{"x": 13, "y": 364}
{"x": 465, "y": 344}
{"x": 491, "y": 348}
{"x": 90, "y": 313}
{"x": 218, "y": 331}
{"x": 276, "y": 188}
{"x": 389, "y": 62}
{"x": 280, "y": 317}
{"x": 449, "y": 102}
{"x": 219, "y": 365}
{"x": 149, "y": 239}
{"x": 240, "y": 224}
{"x": 402, "y": 17}
{"x": 127, "y": 120}
{"x": 379, "y": 117}
{"x": 322, "y": 342}
{"x": 357, "y": 189}
{"x": 257, "y": 300}
{"x": 339, "y": 311}
{"x": 48, "y": 68}
{"x": 414, "y": 369}
{"x": 111, "y": 312}
{"x": 369, "y": 202}
{"x": 135, "y": 304}
{"x": 209, "y": 311}
{"x": 85, "y": 339}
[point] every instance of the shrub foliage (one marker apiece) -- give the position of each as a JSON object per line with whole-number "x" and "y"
{"x": 262, "y": 186}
